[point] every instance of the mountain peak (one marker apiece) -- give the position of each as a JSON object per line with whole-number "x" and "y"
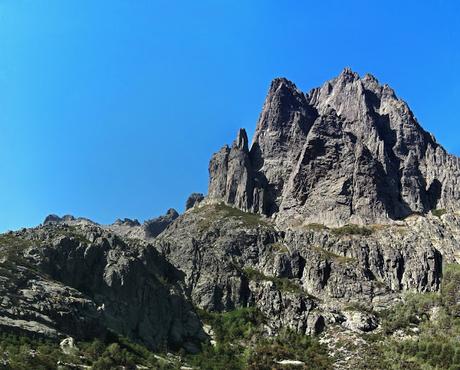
{"x": 370, "y": 77}
{"x": 348, "y": 152}
{"x": 349, "y": 74}
{"x": 279, "y": 82}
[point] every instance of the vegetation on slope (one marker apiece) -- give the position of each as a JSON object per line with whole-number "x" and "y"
{"x": 19, "y": 352}
{"x": 283, "y": 284}
{"x": 212, "y": 213}
{"x": 423, "y": 332}
{"x": 241, "y": 344}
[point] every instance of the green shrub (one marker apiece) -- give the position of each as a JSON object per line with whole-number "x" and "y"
{"x": 39, "y": 354}
{"x": 289, "y": 346}
{"x": 409, "y": 313}
{"x": 352, "y": 229}
{"x": 450, "y": 289}
{"x": 437, "y": 319}
{"x": 438, "y": 212}
{"x": 241, "y": 344}
{"x": 229, "y": 326}
{"x": 333, "y": 256}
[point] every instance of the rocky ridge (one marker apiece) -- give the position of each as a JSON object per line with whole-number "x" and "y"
{"x": 61, "y": 280}
{"x": 307, "y": 278}
{"x": 350, "y": 151}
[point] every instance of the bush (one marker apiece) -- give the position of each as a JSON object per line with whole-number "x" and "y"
{"x": 241, "y": 345}
{"x": 450, "y": 289}
{"x": 22, "y": 352}
{"x": 409, "y": 313}
{"x": 437, "y": 319}
{"x": 289, "y": 346}
{"x": 352, "y": 229}
{"x": 438, "y": 212}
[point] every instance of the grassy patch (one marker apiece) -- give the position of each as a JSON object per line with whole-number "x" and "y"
{"x": 316, "y": 227}
{"x": 280, "y": 248}
{"x": 438, "y": 212}
{"x": 12, "y": 249}
{"x": 352, "y": 229}
{"x": 333, "y": 256}
{"x": 215, "y": 212}
{"x": 282, "y": 284}
{"x": 12, "y": 244}
{"x": 249, "y": 219}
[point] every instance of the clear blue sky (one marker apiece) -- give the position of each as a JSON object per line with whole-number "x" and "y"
{"x": 112, "y": 108}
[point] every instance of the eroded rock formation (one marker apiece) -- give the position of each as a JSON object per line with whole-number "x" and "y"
{"x": 348, "y": 152}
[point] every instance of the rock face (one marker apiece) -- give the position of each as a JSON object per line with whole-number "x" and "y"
{"x": 348, "y": 152}
{"x": 279, "y": 226}
{"x": 62, "y": 280}
{"x": 149, "y": 230}
{"x": 303, "y": 278}
{"x": 193, "y": 200}
{"x": 155, "y": 226}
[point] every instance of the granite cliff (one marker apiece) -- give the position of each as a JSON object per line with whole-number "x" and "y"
{"x": 350, "y": 151}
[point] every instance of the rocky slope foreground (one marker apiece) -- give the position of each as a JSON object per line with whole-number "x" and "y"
{"x": 341, "y": 207}
{"x": 77, "y": 279}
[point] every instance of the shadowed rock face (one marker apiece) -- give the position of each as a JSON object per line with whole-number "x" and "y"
{"x": 81, "y": 280}
{"x": 193, "y": 200}
{"x": 303, "y": 278}
{"x": 347, "y": 152}
{"x": 155, "y": 226}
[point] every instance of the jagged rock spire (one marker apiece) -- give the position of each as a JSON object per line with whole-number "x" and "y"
{"x": 349, "y": 151}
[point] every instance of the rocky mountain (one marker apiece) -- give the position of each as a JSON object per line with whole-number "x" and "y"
{"x": 306, "y": 278}
{"x": 350, "y": 151}
{"x": 340, "y": 207}
{"x": 65, "y": 280}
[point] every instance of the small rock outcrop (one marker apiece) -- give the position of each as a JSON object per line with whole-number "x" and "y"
{"x": 155, "y": 226}
{"x": 149, "y": 230}
{"x": 193, "y": 199}
{"x": 127, "y": 222}
{"x": 348, "y": 152}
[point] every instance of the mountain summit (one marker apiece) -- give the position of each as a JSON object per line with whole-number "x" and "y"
{"x": 349, "y": 151}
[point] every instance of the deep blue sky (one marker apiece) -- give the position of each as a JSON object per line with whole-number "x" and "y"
{"x": 112, "y": 108}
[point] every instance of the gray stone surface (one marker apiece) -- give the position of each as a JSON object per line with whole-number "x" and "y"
{"x": 63, "y": 280}
{"x": 305, "y": 277}
{"x": 350, "y": 151}
{"x": 193, "y": 200}
{"x": 155, "y": 226}
{"x": 269, "y": 234}
{"x": 149, "y": 230}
